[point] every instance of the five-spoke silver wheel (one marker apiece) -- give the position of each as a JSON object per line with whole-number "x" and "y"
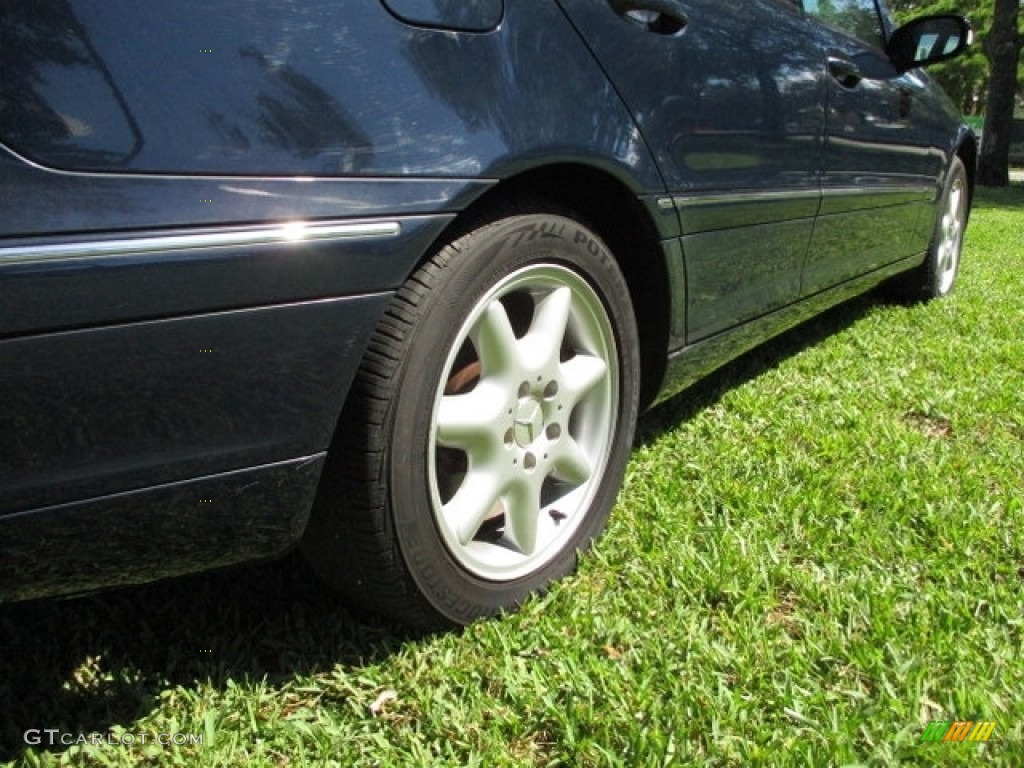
{"x": 522, "y": 421}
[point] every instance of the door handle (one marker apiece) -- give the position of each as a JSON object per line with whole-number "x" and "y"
{"x": 662, "y": 17}
{"x": 844, "y": 71}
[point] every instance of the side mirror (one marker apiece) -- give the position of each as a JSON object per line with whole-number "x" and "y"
{"x": 928, "y": 40}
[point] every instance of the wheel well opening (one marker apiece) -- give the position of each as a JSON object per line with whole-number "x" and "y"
{"x": 606, "y": 206}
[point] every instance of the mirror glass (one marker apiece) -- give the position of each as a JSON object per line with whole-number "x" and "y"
{"x": 937, "y": 38}
{"x": 928, "y": 40}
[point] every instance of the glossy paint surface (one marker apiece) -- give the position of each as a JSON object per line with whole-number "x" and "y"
{"x": 882, "y": 164}
{"x": 735, "y": 100}
{"x": 693, "y": 362}
{"x": 734, "y": 103}
{"x": 324, "y": 88}
{"x": 788, "y": 178}
{"x": 457, "y": 15}
{"x": 164, "y": 531}
{"x": 88, "y": 413}
{"x": 38, "y": 202}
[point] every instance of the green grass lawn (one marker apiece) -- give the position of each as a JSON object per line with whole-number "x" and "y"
{"x": 817, "y": 551}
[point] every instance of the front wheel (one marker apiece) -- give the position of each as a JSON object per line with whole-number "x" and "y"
{"x": 489, "y": 426}
{"x": 936, "y": 277}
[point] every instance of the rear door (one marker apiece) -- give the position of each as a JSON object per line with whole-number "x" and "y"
{"x": 730, "y": 99}
{"x": 882, "y": 160}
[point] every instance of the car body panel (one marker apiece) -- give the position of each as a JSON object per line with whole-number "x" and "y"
{"x": 158, "y": 532}
{"x": 339, "y": 88}
{"x": 709, "y": 100}
{"x": 456, "y": 15}
{"x": 42, "y": 202}
{"x": 726, "y": 290}
{"x": 882, "y": 167}
{"x": 733, "y": 108}
{"x": 88, "y": 413}
{"x": 688, "y": 365}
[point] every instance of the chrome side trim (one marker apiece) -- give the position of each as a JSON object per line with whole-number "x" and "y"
{"x": 916, "y": 189}
{"x": 746, "y": 198}
{"x": 290, "y": 232}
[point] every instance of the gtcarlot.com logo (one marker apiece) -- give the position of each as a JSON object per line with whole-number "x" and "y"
{"x": 53, "y": 737}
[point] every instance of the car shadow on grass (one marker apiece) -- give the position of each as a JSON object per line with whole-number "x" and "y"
{"x": 90, "y": 664}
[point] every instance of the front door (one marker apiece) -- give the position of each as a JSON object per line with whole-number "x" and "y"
{"x": 881, "y": 167}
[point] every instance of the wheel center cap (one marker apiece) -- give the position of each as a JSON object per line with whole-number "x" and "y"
{"x": 529, "y": 421}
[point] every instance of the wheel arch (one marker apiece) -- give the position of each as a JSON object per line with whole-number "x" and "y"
{"x": 606, "y": 205}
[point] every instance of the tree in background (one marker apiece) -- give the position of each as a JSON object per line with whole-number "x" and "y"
{"x": 1002, "y": 46}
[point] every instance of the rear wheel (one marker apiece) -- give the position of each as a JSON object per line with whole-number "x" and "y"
{"x": 489, "y": 427}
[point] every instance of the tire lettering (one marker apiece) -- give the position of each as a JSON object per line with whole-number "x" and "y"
{"x": 552, "y": 230}
{"x": 457, "y": 606}
{"x": 592, "y": 247}
{"x": 533, "y": 231}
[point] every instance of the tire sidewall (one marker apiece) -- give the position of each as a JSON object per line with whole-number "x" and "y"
{"x": 477, "y": 263}
{"x": 933, "y": 285}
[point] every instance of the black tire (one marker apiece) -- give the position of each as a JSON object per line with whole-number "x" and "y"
{"x": 936, "y": 276}
{"x": 395, "y": 522}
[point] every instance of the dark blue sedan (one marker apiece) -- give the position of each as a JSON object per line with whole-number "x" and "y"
{"x": 390, "y": 280}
